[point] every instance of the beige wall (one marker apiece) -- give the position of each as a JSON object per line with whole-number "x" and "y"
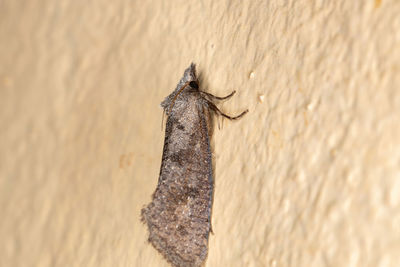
{"x": 309, "y": 177}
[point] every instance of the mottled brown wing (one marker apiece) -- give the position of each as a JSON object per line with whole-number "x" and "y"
{"x": 179, "y": 215}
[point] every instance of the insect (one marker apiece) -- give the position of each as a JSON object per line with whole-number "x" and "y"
{"x": 179, "y": 216}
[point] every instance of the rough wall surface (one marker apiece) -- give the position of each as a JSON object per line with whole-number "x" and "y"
{"x": 309, "y": 177}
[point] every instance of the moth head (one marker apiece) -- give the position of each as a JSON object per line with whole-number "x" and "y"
{"x": 194, "y": 84}
{"x": 189, "y": 81}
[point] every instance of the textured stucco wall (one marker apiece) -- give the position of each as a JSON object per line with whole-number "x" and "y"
{"x": 310, "y": 177}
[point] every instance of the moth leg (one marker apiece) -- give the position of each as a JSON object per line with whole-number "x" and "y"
{"x": 214, "y": 108}
{"x": 218, "y": 97}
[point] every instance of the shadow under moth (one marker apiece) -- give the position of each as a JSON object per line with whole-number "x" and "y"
{"x": 179, "y": 216}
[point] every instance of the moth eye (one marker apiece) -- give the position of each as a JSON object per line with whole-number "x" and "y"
{"x": 194, "y": 85}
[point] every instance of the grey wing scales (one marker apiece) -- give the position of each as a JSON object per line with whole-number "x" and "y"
{"x": 179, "y": 215}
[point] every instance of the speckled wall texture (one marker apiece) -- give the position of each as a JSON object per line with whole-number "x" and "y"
{"x": 309, "y": 177}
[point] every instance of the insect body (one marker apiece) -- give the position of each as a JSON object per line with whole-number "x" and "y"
{"x": 179, "y": 216}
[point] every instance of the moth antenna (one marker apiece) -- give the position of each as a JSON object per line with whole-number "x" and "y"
{"x": 176, "y": 96}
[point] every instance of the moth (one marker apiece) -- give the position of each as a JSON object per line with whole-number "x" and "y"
{"x": 179, "y": 215}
